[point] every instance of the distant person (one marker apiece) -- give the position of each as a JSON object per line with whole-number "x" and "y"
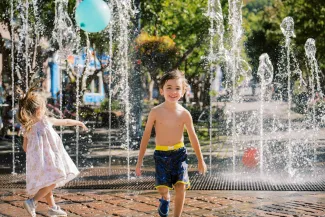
{"x": 48, "y": 165}
{"x": 169, "y": 119}
{"x": 9, "y": 118}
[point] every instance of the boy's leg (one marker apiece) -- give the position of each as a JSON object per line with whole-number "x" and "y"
{"x": 163, "y": 208}
{"x": 50, "y": 199}
{"x": 164, "y": 192}
{"x": 180, "y": 191}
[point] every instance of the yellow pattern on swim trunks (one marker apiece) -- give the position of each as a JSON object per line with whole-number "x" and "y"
{"x": 169, "y": 148}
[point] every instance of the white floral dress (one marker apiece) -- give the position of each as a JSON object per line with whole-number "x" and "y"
{"x": 47, "y": 162}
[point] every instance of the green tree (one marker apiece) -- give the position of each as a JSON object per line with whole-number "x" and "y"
{"x": 186, "y": 23}
{"x": 262, "y": 25}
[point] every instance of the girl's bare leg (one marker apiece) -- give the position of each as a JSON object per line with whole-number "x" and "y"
{"x": 180, "y": 192}
{"x": 50, "y": 199}
{"x": 43, "y": 192}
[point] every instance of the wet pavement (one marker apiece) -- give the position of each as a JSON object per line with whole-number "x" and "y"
{"x": 89, "y": 202}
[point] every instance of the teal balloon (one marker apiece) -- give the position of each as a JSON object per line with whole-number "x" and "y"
{"x": 93, "y": 15}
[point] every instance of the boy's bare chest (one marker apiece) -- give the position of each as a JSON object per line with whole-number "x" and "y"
{"x": 169, "y": 120}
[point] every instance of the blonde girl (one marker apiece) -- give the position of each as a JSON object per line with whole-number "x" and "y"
{"x": 48, "y": 165}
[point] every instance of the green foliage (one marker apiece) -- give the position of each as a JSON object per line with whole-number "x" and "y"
{"x": 262, "y": 21}
{"x": 184, "y": 21}
{"x": 309, "y": 17}
{"x": 105, "y": 104}
{"x": 156, "y": 53}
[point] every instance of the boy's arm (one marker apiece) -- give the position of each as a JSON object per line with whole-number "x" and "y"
{"x": 194, "y": 142}
{"x": 146, "y": 137}
{"x": 67, "y": 122}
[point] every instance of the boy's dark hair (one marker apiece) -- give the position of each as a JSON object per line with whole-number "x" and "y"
{"x": 175, "y": 74}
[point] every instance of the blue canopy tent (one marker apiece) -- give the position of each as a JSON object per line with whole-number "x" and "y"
{"x": 95, "y": 93}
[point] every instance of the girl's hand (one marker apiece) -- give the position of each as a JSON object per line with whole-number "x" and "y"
{"x": 84, "y": 127}
{"x": 202, "y": 167}
{"x": 138, "y": 170}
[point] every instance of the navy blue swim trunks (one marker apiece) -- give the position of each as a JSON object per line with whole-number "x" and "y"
{"x": 171, "y": 167}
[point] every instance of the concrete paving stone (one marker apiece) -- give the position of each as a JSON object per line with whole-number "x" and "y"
{"x": 184, "y": 214}
{"x": 88, "y": 202}
{"x": 97, "y": 204}
{"x": 200, "y": 204}
{"x": 311, "y": 211}
{"x": 206, "y": 206}
{"x": 87, "y": 211}
{"x": 109, "y": 209}
{"x": 277, "y": 211}
{"x": 188, "y": 209}
{"x": 13, "y": 198}
{"x": 140, "y": 215}
{"x": 208, "y": 199}
{"x": 119, "y": 202}
{"x": 263, "y": 213}
{"x": 307, "y": 205}
{"x": 94, "y": 212}
{"x": 140, "y": 207}
{"x": 11, "y": 210}
{"x": 102, "y": 197}
{"x": 243, "y": 199}
{"x": 5, "y": 193}
{"x": 74, "y": 208}
{"x": 124, "y": 212}
{"x": 77, "y": 198}
{"x": 210, "y": 215}
{"x": 222, "y": 201}
{"x": 201, "y": 212}
{"x": 147, "y": 200}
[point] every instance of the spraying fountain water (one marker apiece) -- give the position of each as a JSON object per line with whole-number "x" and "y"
{"x": 265, "y": 72}
{"x": 237, "y": 73}
{"x": 256, "y": 124}
{"x": 67, "y": 39}
{"x": 287, "y": 28}
{"x": 248, "y": 124}
{"x": 310, "y": 50}
{"x": 216, "y": 30}
{"x": 123, "y": 22}
{"x": 12, "y": 84}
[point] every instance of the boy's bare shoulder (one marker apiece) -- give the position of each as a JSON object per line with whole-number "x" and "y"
{"x": 181, "y": 108}
{"x": 156, "y": 108}
{"x": 184, "y": 111}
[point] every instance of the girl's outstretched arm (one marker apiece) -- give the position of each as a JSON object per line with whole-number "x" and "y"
{"x": 67, "y": 122}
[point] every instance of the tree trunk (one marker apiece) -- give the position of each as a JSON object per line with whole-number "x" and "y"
{"x": 205, "y": 90}
{"x": 150, "y": 89}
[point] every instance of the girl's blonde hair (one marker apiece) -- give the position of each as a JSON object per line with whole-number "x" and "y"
{"x": 29, "y": 103}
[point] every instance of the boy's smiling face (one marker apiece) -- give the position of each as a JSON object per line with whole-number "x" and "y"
{"x": 173, "y": 90}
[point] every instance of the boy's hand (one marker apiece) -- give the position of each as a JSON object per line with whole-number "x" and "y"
{"x": 138, "y": 170}
{"x": 84, "y": 127}
{"x": 202, "y": 167}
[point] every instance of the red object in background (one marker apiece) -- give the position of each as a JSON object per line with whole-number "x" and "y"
{"x": 250, "y": 158}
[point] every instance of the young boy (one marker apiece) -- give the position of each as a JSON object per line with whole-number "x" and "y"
{"x": 169, "y": 119}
